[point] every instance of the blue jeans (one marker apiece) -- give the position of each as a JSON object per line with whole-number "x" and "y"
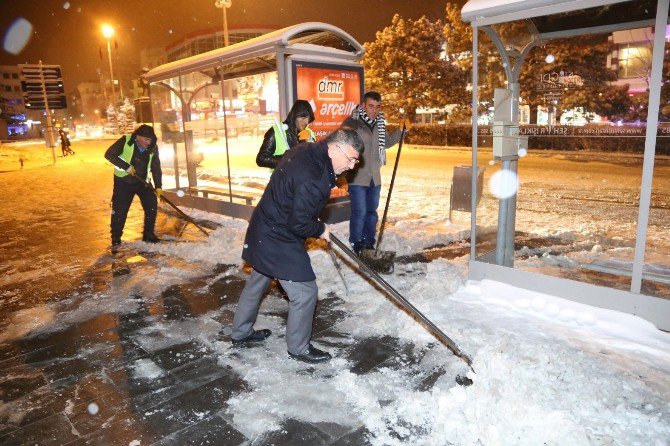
{"x": 363, "y": 223}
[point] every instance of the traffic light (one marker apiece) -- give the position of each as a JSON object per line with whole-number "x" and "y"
{"x": 40, "y": 81}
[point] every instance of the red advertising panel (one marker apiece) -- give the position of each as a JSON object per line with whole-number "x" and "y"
{"x": 333, "y": 90}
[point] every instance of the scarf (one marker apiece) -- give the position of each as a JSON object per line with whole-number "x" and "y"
{"x": 359, "y": 113}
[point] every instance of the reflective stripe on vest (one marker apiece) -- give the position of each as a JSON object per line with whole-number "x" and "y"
{"x": 281, "y": 145}
{"x": 127, "y": 156}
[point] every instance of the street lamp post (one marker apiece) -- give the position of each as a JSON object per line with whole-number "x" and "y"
{"x": 108, "y": 32}
{"x": 224, "y": 4}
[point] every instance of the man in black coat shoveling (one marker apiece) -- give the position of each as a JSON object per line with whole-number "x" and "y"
{"x": 274, "y": 245}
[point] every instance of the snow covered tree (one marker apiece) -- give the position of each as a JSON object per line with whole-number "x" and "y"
{"x": 665, "y": 88}
{"x": 112, "y": 125}
{"x": 126, "y": 116}
{"x": 582, "y": 62}
{"x": 406, "y": 64}
{"x": 458, "y": 35}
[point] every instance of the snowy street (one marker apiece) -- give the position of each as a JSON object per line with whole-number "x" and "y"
{"x": 91, "y": 355}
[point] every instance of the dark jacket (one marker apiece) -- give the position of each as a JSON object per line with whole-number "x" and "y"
{"x": 139, "y": 160}
{"x": 287, "y": 214}
{"x": 266, "y": 154}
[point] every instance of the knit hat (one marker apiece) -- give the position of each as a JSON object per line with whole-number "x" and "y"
{"x": 146, "y": 131}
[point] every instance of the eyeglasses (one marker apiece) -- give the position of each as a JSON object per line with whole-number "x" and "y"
{"x": 351, "y": 160}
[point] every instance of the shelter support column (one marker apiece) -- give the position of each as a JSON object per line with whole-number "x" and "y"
{"x": 507, "y": 113}
{"x": 649, "y": 145}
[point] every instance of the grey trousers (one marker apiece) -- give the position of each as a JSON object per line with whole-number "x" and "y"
{"x": 302, "y": 301}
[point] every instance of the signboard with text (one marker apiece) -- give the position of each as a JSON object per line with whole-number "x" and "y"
{"x": 40, "y": 83}
{"x": 334, "y": 90}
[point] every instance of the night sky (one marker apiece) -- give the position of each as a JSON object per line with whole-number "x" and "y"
{"x": 68, "y": 32}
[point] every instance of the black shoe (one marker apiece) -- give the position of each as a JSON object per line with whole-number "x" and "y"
{"x": 313, "y": 355}
{"x": 256, "y": 336}
{"x": 150, "y": 238}
{"x": 116, "y": 241}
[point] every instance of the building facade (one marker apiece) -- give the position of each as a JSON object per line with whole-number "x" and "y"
{"x": 201, "y": 41}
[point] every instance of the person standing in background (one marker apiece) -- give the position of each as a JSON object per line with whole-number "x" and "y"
{"x": 365, "y": 182}
{"x": 281, "y": 137}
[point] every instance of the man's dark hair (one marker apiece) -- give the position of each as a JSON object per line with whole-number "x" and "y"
{"x": 349, "y": 136}
{"x": 372, "y": 95}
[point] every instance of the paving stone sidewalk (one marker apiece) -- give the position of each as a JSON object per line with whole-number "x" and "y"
{"x": 80, "y": 384}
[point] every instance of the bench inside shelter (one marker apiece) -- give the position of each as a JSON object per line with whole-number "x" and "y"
{"x": 206, "y": 191}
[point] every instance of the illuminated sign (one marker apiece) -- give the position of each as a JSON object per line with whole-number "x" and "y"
{"x": 333, "y": 90}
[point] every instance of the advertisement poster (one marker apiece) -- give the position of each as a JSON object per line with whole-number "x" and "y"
{"x": 333, "y": 90}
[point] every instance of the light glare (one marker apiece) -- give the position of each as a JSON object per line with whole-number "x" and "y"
{"x": 107, "y": 31}
{"x": 504, "y": 183}
{"x": 18, "y": 35}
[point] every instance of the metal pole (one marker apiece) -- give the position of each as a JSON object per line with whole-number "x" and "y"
{"x": 50, "y": 136}
{"x": 475, "y": 112}
{"x": 649, "y": 145}
{"x": 111, "y": 71}
{"x": 225, "y": 133}
{"x": 225, "y": 26}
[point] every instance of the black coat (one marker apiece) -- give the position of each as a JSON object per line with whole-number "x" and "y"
{"x": 288, "y": 212}
{"x": 266, "y": 154}
{"x": 139, "y": 160}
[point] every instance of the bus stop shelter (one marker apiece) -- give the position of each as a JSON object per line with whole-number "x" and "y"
{"x": 211, "y": 110}
{"x": 541, "y": 21}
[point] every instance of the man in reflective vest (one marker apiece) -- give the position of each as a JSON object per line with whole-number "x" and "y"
{"x": 133, "y": 156}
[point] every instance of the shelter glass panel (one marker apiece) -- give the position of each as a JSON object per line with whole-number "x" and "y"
{"x": 574, "y": 213}
{"x": 656, "y": 268}
{"x": 167, "y": 112}
{"x": 229, "y": 119}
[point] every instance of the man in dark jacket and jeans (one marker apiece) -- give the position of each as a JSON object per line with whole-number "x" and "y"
{"x": 274, "y": 245}
{"x": 133, "y": 156}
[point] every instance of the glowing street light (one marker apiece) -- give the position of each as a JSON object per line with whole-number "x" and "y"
{"x": 108, "y": 32}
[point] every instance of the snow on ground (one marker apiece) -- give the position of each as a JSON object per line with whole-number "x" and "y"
{"x": 547, "y": 370}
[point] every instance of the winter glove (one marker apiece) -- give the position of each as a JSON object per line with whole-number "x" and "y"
{"x": 159, "y": 193}
{"x": 131, "y": 170}
{"x": 305, "y": 135}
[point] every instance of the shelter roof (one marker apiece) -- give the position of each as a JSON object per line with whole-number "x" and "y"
{"x": 311, "y": 37}
{"x": 563, "y": 18}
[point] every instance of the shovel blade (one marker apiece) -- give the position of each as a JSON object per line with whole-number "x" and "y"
{"x": 381, "y": 262}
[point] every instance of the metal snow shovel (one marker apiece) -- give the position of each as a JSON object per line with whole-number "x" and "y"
{"x": 382, "y": 261}
{"x": 439, "y": 334}
{"x": 179, "y": 211}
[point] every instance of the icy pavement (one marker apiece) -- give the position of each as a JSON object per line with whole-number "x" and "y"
{"x": 144, "y": 358}
{"x": 92, "y": 356}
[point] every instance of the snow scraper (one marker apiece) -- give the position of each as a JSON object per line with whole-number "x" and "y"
{"x": 179, "y": 211}
{"x": 407, "y": 305}
{"x": 382, "y": 261}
